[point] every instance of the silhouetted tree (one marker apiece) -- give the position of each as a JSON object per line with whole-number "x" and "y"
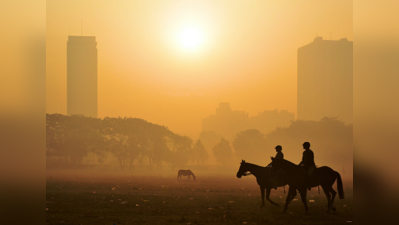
{"x": 209, "y": 139}
{"x": 161, "y": 152}
{"x": 127, "y": 139}
{"x": 69, "y": 137}
{"x": 331, "y": 141}
{"x": 222, "y": 151}
{"x": 55, "y": 136}
{"x": 100, "y": 149}
{"x": 119, "y": 148}
{"x": 251, "y": 145}
{"x": 181, "y": 148}
{"x": 200, "y": 155}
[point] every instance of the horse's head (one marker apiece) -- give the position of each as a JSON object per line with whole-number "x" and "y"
{"x": 243, "y": 169}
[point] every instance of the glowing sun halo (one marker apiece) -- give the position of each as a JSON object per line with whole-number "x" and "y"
{"x": 190, "y": 38}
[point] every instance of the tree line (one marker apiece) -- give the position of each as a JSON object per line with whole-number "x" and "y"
{"x": 331, "y": 140}
{"x": 133, "y": 141}
{"x": 128, "y": 140}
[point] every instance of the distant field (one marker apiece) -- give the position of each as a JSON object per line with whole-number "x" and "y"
{"x": 128, "y": 199}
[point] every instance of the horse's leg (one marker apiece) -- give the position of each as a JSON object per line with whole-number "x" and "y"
{"x": 303, "y": 193}
{"x": 268, "y": 195}
{"x": 291, "y": 194}
{"x": 333, "y": 193}
{"x": 262, "y": 192}
{"x": 327, "y": 192}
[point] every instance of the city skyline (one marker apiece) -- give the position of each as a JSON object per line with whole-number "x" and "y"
{"x": 227, "y": 122}
{"x": 247, "y": 57}
{"x": 79, "y": 41}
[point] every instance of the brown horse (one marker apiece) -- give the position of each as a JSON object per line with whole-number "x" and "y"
{"x": 263, "y": 177}
{"x": 295, "y": 176}
{"x": 185, "y": 173}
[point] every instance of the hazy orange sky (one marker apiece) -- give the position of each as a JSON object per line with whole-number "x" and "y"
{"x": 247, "y": 56}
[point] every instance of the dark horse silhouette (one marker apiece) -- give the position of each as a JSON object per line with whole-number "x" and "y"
{"x": 185, "y": 173}
{"x": 295, "y": 176}
{"x": 263, "y": 177}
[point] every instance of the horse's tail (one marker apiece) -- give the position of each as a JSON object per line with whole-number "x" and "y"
{"x": 339, "y": 186}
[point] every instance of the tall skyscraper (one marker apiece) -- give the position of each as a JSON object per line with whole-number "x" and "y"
{"x": 82, "y": 76}
{"x": 325, "y": 80}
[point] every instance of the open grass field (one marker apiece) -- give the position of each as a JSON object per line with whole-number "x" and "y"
{"x": 211, "y": 199}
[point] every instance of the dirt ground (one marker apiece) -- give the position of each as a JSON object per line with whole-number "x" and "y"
{"x": 111, "y": 198}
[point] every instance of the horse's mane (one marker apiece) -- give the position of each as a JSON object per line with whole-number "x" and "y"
{"x": 251, "y": 164}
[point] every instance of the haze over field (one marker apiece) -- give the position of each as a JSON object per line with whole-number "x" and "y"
{"x": 139, "y": 92}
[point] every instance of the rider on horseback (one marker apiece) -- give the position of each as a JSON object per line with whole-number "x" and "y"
{"x": 279, "y": 155}
{"x": 308, "y": 163}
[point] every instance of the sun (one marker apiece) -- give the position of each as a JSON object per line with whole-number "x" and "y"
{"x": 190, "y": 38}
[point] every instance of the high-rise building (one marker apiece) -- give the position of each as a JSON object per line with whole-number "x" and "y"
{"x": 226, "y": 122}
{"x": 82, "y": 76}
{"x": 325, "y": 80}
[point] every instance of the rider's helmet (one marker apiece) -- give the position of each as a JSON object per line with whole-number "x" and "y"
{"x": 278, "y": 148}
{"x": 306, "y": 145}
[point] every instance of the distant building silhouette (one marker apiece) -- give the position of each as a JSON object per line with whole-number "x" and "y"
{"x": 82, "y": 76}
{"x": 269, "y": 120}
{"x": 228, "y": 123}
{"x": 325, "y": 80}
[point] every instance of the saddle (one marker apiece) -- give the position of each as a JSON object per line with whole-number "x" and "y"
{"x": 313, "y": 178}
{"x": 279, "y": 178}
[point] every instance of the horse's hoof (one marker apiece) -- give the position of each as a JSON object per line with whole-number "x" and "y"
{"x": 333, "y": 208}
{"x": 284, "y": 210}
{"x": 261, "y": 206}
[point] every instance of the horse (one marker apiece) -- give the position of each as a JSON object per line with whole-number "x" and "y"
{"x": 263, "y": 177}
{"x": 295, "y": 176}
{"x": 185, "y": 173}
